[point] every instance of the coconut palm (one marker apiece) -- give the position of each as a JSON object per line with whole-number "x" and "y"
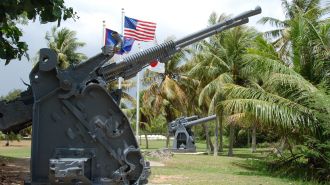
{"x": 279, "y": 98}
{"x": 302, "y": 38}
{"x": 166, "y": 92}
{"x": 65, "y": 43}
{"x": 219, "y": 63}
{"x": 126, "y": 85}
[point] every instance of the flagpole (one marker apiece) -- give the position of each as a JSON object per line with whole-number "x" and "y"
{"x": 122, "y": 33}
{"x": 138, "y": 101}
{"x": 103, "y": 34}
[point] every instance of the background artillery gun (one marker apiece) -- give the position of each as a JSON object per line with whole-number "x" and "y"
{"x": 184, "y": 140}
{"x": 80, "y": 135}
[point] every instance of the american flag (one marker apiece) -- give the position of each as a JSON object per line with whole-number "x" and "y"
{"x": 139, "y": 30}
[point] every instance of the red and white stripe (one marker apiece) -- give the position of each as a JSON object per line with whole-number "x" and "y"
{"x": 145, "y": 31}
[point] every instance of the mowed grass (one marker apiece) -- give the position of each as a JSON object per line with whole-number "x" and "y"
{"x": 206, "y": 169}
{"x": 183, "y": 169}
{"x": 16, "y": 149}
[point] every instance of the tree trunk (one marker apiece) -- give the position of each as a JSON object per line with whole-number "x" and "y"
{"x": 231, "y": 140}
{"x": 7, "y": 140}
{"x": 221, "y": 134}
{"x": 209, "y": 145}
{"x": 248, "y": 138}
{"x": 167, "y": 139}
{"x": 254, "y": 138}
{"x": 282, "y": 145}
{"x": 216, "y": 143}
{"x": 147, "y": 142}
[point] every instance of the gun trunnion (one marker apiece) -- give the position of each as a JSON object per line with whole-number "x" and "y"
{"x": 80, "y": 135}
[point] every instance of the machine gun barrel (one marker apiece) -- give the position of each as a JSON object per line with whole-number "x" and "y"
{"x": 132, "y": 64}
{"x": 199, "y": 121}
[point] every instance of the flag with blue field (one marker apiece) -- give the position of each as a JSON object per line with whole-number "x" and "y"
{"x": 139, "y": 30}
{"x": 110, "y": 40}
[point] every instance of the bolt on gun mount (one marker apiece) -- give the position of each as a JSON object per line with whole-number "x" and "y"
{"x": 80, "y": 135}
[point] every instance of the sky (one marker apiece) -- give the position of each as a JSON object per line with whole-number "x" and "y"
{"x": 174, "y": 18}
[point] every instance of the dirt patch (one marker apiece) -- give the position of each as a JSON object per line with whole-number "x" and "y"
{"x": 15, "y": 144}
{"x": 13, "y": 170}
{"x": 157, "y": 179}
{"x": 155, "y": 163}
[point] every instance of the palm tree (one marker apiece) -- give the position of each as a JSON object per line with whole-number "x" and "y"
{"x": 303, "y": 37}
{"x": 219, "y": 63}
{"x": 280, "y": 98}
{"x": 65, "y": 44}
{"x": 126, "y": 85}
{"x": 166, "y": 93}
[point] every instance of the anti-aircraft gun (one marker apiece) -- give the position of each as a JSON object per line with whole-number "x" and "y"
{"x": 80, "y": 135}
{"x": 184, "y": 140}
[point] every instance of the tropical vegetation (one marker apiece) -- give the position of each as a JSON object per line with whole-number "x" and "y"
{"x": 270, "y": 89}
{"x": 276, "y": 83}
{"x": 65, "y": 43}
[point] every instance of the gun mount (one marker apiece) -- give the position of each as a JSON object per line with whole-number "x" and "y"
{"x": 80, "y": 135}
{"x": 184, "y": 140}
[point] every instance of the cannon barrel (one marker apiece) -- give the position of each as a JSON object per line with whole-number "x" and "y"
{"x": 127, "y": 68}
{"x": 132, "y": 64}
{"x": 199, "y": 121}
{"x": 219, "y": 27}
{"x": 191, "y": 118}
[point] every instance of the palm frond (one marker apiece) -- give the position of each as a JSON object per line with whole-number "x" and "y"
{"x": 270, "y": 113}
{"x": 272, "y": 21}
{"x": 295, "y": 81}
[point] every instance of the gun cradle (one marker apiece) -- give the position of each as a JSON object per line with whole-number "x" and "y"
{"x": 80, "y": 135}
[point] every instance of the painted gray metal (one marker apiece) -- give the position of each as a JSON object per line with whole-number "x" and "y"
{"x": 184, "y": 140}
{"x": 16, "y": 115}
{"x": 80, "y": 135}
{"x": 199, "y": 121}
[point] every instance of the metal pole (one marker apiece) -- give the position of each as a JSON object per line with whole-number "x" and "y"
{"x": 138, "y": 101}
{"x": 137, "y": 104}
{"x": 103, "y": 34}
{"x": 120, "y": 79}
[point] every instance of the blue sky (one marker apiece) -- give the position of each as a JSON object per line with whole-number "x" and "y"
{"x": 173, "y": 18}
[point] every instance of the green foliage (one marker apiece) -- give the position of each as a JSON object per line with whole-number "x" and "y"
{"x": 2, "y": 136}
{"x": 11, "y": 14}
{"x": 12, "y": 95}
{"x": 12, "y": 136}
{"x": 302, "y": 39}
{"x": 65, "y": 43}
{"x": 26, "y": 132}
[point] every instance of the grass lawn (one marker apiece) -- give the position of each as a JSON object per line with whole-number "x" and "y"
{"x": 209, "y": 170}
{"x": 16, "y": 149}
{"x": 205, "y": 169}
{"x": 184, "y": 169}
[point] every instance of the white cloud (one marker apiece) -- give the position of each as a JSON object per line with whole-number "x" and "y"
{"x": 173, "y": 17}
